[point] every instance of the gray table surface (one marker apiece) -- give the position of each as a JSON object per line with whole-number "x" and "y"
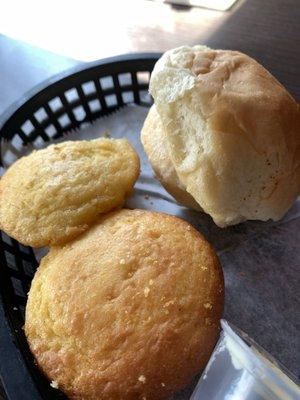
{"x": 270, "y": 32}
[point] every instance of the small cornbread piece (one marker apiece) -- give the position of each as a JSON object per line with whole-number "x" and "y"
{"x": 54, "y": 194}
{"x": 121, "y": 312}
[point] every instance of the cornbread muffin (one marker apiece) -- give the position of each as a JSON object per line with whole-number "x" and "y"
{"x": 156, "y": 147}
{"x": 233, "y": 133}
{"x": 129, "y": 310}
{"x": 54, "y": 194}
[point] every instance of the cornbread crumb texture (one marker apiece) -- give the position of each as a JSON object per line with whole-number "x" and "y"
{"x": 135, "y": 329}
{"x": 156, "y": 147}
{"x": 54, "y": 194}
{"x": 233, "y": 132}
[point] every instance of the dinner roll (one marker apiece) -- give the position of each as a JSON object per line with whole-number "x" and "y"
{"x": 54, "y": 194}
{"x": 129, "y": 310}
{"x": 233, "y": 133}
{"x": 156, "y": 147}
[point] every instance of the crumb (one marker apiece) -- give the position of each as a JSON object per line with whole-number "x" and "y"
{"x": 146, "y": 196}
{"x": 126, "y": 312}
{"x": 15, "y": 308}
{"x": 242, "y": 274}
{"x": 54, "y": 384}
{"x": 167, "y": 312}
{"x": 122, "y": 261}
{"x": 146, "y": 291}
{"x": 208, "y": 305}
{"x": 204, "y": 268}
{"x": 162, "y": 384}
{"x": 151, "y": 282}
{"x": 16, "y": 330}
{"x": 169, "y": 303}
{"x": 142, "y": 378}
{"x": 106, "y": 134}
{"x": 189, "y": 227}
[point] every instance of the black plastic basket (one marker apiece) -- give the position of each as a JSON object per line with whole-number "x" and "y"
{"x": 57, "y": 106}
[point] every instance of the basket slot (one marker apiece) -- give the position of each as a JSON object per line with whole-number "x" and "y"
{"x": 143, "y": 77}
{"x": 125, "y": 79}
{"x": 95, "y": 106}
{"x": 88, "y": 88}
{"x": 128, "y": 96}
{"x": 41, "y": 114}
{"x": 111, "y": 100}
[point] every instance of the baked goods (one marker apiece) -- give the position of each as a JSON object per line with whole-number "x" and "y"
{"x": 54, "y": 194}
{"x": 129, "y": 310}
{"x": 156, "y": 147}
{"x": 233, "y": 133}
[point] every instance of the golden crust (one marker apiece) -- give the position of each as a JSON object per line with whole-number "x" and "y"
{"x": 233, "y": 132}
{"x": 129, "y": 310}
{"x": 54, "y": 194}
{"x": 156, "y": 147}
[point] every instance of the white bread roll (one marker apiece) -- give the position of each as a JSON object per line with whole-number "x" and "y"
{"x": 156, "y": 147}
{"x": 233, "y": 133}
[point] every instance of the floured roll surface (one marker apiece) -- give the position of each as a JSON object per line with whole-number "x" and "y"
{"x": 233, "y": 132}
{"x": 129, "y": 310}
{"x": 156, "y": 147}
{"x": 54, "y": 194}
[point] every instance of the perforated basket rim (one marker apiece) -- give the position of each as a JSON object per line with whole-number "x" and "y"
{"x": 31, "y": 94}
{"x": 14, "y": 373}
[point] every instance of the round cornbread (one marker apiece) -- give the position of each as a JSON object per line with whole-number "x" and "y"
{"x": 54, "y": 194}
{"x": 156, "y": 147}
{"x": 129, "y": 310}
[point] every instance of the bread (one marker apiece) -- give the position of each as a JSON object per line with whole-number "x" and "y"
{"x": 129, "y": 310}
{"x": 156, "y": 147}
{"x": 54, "y": 194}
{"x": 233, "y": 133}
